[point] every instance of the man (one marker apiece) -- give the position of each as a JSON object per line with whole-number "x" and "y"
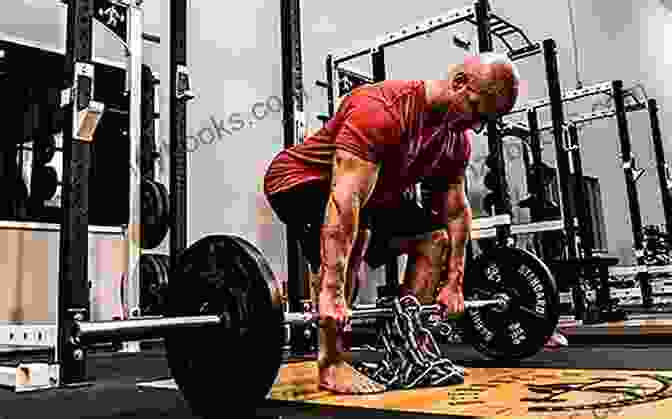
{"x": 342, "y": 191}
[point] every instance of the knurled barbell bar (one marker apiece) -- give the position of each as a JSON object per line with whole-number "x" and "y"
{"x": 224, "y": 331}
{"x": 92, "y": 333}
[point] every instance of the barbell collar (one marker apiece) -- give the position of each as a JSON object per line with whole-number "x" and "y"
{"x": 91, "y": 333}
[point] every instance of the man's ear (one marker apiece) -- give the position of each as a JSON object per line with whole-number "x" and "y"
{"x": 460, "y": 80}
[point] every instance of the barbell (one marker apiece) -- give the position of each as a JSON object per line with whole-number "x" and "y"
{"x": 224, "y": 331}
{"x": 92, "y": 333}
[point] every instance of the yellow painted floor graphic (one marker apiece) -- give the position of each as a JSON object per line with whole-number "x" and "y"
{"x": 490, "y": 392}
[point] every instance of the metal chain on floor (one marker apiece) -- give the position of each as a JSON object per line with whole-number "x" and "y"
{"x": 447, "y": 330}
{"x": 411, "y": 358}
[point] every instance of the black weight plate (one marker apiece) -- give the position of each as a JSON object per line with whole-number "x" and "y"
{"x": 163, "y": 264}
{"x": 164, "y": 260}
{"x": 44, "y": 149}
{"x": 522, "y": 330}
{"x": 43, "y": 183}
{"x": 153, "y": 284}
{"x": 154, "y": 214}
{"x": 151, "y": 214}
{"x": 222, "y": 370}
{"x": 165, "y": 197}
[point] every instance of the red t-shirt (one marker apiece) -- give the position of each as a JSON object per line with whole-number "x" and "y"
{"x": 381, "y": 123}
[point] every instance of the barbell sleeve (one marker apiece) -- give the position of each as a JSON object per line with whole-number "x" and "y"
{"x": 91, "y": 333}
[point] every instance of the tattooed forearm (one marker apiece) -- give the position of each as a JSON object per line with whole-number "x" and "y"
{"x": 338, "y": 236}
{"x": 458, "y": 232}
{"x": 352, "y": 183}
{"x": 334, "y": 248}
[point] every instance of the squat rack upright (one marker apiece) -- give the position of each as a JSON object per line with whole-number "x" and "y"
{"x": 73, "y": 284}
{"x": 68, "y": 363}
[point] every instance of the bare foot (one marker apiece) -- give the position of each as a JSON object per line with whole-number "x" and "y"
{"x": 342, "y": 378}
{"x": 335, "y": 372}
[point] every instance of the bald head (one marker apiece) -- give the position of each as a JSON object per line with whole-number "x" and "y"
{"x": 496, "y": 75}
{"x": 483, "y": 87}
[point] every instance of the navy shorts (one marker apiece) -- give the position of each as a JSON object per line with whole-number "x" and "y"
{"x": 302, "y": 209}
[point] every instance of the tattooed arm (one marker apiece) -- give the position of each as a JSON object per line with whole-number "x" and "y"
{"x": 368, "y": 129}
{"x": 451, "y": 208}
{"x": 353, "y": 180}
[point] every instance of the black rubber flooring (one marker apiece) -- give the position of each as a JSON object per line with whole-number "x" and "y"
{"x": 114, "y": 394}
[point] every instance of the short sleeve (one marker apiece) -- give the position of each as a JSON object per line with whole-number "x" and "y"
{"x": 367, "y": 127}
{"x": 453, "y": 165}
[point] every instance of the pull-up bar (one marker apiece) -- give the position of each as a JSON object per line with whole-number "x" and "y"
{"x": 408, "y": 32}
{"x": 499, "y": 27}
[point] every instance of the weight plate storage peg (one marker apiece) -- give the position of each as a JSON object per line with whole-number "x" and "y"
{"x": 233, "y": 366}
{"x": 522, "y": 328}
